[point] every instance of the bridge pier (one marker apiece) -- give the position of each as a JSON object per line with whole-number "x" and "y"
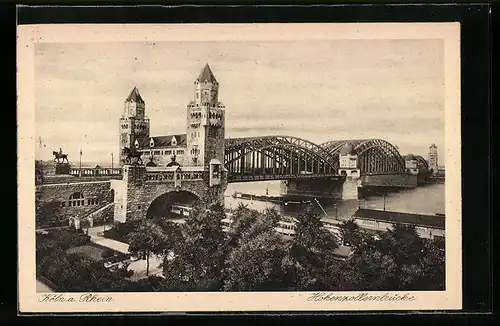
{"x": 332, "y": 188}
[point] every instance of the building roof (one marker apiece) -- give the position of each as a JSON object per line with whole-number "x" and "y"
{"x": 206, "y": 74}
{"x": 410, "y": 157}
{"x": 163, "y": 141}
{"x": 135, "y": 96}
{"x": 432, "y": 221}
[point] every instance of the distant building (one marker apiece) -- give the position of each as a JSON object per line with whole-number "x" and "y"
{"x": 427, "y": 226}
{"x": 433, "y": 158}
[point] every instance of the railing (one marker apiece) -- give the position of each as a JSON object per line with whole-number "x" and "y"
{"x": 95, "y": 172}
{"x": 235, "y": 177}
{"x": 175, "y": 175}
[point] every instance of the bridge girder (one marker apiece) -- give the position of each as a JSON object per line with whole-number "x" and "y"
{"x": 374, "y": 155}
{"x": 285, "y": 154}
{"x": 421, "y": 162}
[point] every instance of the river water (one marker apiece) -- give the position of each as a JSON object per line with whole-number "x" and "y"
{"x": 427, "y": 199}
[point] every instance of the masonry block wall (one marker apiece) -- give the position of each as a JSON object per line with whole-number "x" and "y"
{"x": 135, "y": 194}
{"x": 390, "y": 180}
{"x": 350, "y": 188}
{"x": 56, "y": 203}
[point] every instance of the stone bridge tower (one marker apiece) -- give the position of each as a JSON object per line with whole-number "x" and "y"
{"x": 133, "y": 122}
{"x": 205, "y": 121}
{"x": 202, "y": 174}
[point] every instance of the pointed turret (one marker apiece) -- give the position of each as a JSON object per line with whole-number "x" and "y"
{"x": 135, "y": 96}
{"x": 433, "y": 146}
{"x": 207, "y": 75}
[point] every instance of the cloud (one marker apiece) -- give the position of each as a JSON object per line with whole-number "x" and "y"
{"x": 322, "y": 90}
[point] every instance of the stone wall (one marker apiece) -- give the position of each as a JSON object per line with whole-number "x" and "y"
{"x": 402, "y": 180}
{"x": 136, "y": 194}
{"x": 54, "y": 206}
{"x": 350, "y": 188}
{"x": 56, "y": 179}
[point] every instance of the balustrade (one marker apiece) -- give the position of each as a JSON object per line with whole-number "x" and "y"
{"x": 93, "y": 172}
{"x": 171, "y": 176}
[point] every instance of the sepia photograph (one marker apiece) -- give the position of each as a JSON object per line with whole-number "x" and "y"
{"x": 315, "y": 161}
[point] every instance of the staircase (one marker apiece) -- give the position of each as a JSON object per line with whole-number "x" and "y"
{"x": 96, "y": 212}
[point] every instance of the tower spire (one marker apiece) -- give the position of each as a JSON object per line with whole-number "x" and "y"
{"x": 206, "y": 74}
{"x": 135, "y": 96}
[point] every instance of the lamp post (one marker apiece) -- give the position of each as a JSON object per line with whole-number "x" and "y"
{"x": 81, "y": 153}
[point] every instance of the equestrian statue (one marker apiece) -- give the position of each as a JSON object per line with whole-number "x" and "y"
{"x": 60, "y": 156}
{"x": 132, "y": 153}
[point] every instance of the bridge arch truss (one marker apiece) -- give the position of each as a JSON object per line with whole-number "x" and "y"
{"x": 421, "y": 162}
{"x": 277, "y": 158}
{"x": 375, "y": 156}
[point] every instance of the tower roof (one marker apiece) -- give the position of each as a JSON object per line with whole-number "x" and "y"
{"x": 348, "y": 149}
{"x": 135, "y": 96}
{"x": 206, "y": 74}
{"x": 433, "y": 146}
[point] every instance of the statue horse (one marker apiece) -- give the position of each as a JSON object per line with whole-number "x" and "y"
{"x": 131, "y": 153}
{"x": 59, "y": 155}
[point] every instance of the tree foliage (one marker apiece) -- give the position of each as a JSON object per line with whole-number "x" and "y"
{"x": 251, "y": 256}
{"x": 148, "y": 239}
{"x": 198, "y": 257}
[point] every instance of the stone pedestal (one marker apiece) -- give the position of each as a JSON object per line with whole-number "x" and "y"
{"x": 63, "y": 168}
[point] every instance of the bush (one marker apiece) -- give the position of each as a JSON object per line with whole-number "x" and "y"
{"x": 68, "y": 238}
{"x": 119, "y": 231}
{"x": 107, "y": 253}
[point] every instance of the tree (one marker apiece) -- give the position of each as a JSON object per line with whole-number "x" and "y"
{"x": 242, "y": 219}
{"x": 351, "y": 234}
{"x": 197, "y": 262}
{"x": 399, "y": 260}
{"x": 47, "y": 212}
{"x": 313, "y": 248}
{"x": 148, "y": 239}
{"x": 257, "y": 264}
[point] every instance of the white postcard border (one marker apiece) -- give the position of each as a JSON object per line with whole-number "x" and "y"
{"x": 30, "y": 301}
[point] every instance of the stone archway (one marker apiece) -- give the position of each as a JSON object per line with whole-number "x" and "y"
{"x": 172, "y": 205}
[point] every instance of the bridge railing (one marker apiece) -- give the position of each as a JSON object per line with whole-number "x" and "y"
{"x": 175, "y": 174}
{"x": 235, "y": 177}
{"x": 95, "y": 172}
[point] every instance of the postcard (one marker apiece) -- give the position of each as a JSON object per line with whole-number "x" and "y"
{"x": 239, "y": 167}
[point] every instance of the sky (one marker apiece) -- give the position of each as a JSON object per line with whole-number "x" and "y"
{"x": 316, "y": 90}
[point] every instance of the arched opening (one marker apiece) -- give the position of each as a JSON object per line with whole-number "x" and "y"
{"x": 172, "y": 205}
{"x": 76, "y": 199}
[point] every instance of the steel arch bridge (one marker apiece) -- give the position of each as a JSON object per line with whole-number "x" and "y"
{"x": 421, "y": 163}
{"x": 277, "y": 158}
{"x": 375, "y": 156}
